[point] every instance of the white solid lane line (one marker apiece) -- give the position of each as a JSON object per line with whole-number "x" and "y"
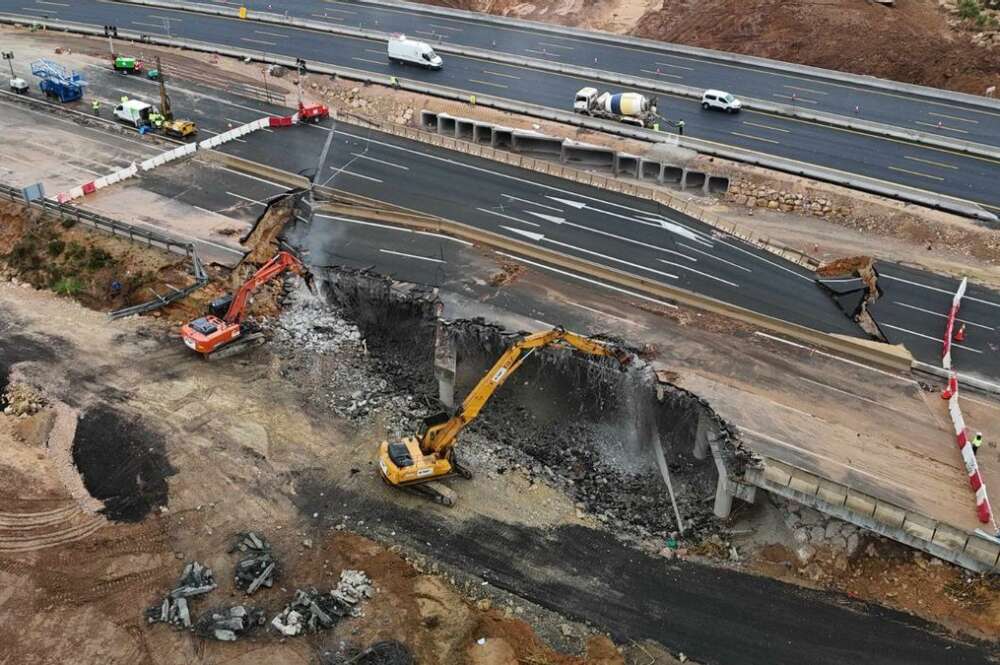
{"x": 713, "y": 256}
{"x": 411, "y": 256}
{"x": 513, "y": 219}
{"x": 601, "y": 313}
{"x": 581, "y": 278}
{"x": 671, "y": 226}
{"x": 560, "y": 220}
{"x": 683, "y": 256}
{"x": 935, "y": 339}
{"x": 337, "y": 172}
{"x": 834, "y": 357}
{"x": 400, "y": 229}
{"x": 854, "y": 395}
{"x": 540, "y": 205}
{"x": 698, "y": 272}
{"x": 538, "y": 237}
{"x": 941, "y": 315}
{"x": 248, "y": 200}
{"x": 380, "y": 161}
{"x": 934, "y": 288}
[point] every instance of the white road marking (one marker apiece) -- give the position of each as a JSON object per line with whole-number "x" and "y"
{"x": 944, "y": 127}
{"x": 513, "y": 219}
{"x": 682, "y": 255}
{"x": 834, "y": 357}
{"x": 253, "y": 177}
{"x": 560, "y": 220}
{"x": 698, "y": 272}
{"x": 374, "y": 62}
{"x": 649, "y": 71}
{"x": 589, "y": 281}
{"x": 793, "y": 87}
{"x": 755, "y": 138}
{"x": 531, "y": 50}
{"x": 163, "y": 18}
{"x": 601, "y": 313}
{"x": 674, "y": 227}
{"x": 352, "y": 173}
{"x": 395, "y": 228}
{"x": 667, "y": 64}
{"x": 796, "y": 99}
{"x": 713, "y": 256}
{"x": 506, "y": 76}
{"x": 540, "y": 205}
{"x": 328, "y": 18}
{"x": 49, "y": 2}
{"x": 855, "y": 395}
{"x": 159, "y": 26}
{"x": 270, "y": 34}
{"x": 411, "y": 256}
{"x": 934, "y": 288}
{"x": 254, "y": 41}
{"x": 248, "y": 200}
{"x": 935, "y": 339}
{"x": 495, "y": 85}
{"x": 444, "y": 27}
{"x": 568, "y": 48}
{"x": 380, "y": 161}
{"x": 539, "y": 237}
{"x": 941, "y": 315}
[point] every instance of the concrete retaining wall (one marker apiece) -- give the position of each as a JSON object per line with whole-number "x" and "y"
{"x": 571, "y": 152}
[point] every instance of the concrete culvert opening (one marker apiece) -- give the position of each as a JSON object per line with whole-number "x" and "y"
{"x": 503, "y": 138}
{"x": 446, "y": 125}
{"x": 694, "y": 180}
{"x": 650, "y": 170}
{"x": 718, "y": 184}
{"x": 672, "y": 174}
{"x": 574, "y": 422}
{"x": 429, "y": 120}
{"x": 122, "y": 463}
{"x": 464, "y": 129}
{"x": 482, "y": 133}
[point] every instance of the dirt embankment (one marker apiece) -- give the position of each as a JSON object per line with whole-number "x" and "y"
{"x": 913, "y": 41}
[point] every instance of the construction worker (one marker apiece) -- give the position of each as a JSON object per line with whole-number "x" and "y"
{"x": 977, "y": 441}
{"x": 124, "y": 99}
{"x": 394, "y": 81}
{"x": 96, "y": 106}
{"x": 960, "y": 333}
{"x": 680, "y": 127}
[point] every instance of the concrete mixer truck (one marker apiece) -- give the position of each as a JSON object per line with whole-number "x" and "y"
{"x": 628, "y": 107}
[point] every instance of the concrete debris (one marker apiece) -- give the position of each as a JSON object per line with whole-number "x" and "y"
{"x": 196, "y": 580}
{"x": 312, "y": 611}
{"x": 259, "y": 567}
{"x": 20, "y": 399}
{"x": 226, "y": 624}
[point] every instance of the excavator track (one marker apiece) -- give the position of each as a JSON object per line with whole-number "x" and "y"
{"x": 436, "y": 492}
{"x": 242, "y": 345}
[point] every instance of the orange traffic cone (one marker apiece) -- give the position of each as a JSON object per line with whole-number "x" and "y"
{"x": 960, "y": 333}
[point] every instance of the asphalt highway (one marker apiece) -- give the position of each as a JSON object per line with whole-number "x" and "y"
{"x": 934, "y": 170}
{"x": 618, "y": 231}
{"x": 956, "y": 120}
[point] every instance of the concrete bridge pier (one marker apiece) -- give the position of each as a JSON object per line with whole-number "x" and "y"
{"x": 445, "y": 363}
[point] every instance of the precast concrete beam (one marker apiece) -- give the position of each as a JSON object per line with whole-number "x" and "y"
{"x": 533, "y": 142}
{"x": 585, "y": 153}
{"x": 445, "y": 364}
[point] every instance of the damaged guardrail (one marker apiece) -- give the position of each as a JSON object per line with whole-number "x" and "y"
{"x": 594, "y": 74}
{"x": 862, "y": 183}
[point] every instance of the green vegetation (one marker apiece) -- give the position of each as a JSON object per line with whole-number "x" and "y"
{"x": 56, "y": 247}
{"x": 969, "y": 9}
{"x": 68, "y": 286}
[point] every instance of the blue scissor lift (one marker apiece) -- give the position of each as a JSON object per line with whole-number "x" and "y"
{"x": 57, "y": 82}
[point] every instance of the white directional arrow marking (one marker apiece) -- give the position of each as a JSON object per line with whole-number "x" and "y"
{"x": 547, "y": 218}
{"x": 568, "y": 202}
{"x": 537, "y": 237}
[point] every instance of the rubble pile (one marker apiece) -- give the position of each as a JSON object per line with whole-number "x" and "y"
{"x": 312, "y": 611}
{"x": 20, "y": 399}
{"x": 174, "y": 608}
{"x": 226, "y": 624}
{"x": 258, "y": 568}
{"x": 315, "y": 327}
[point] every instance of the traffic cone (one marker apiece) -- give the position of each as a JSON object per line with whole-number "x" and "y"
{"x": 960, "y": 333}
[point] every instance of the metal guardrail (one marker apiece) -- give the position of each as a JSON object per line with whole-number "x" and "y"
{"x": 121, "y": 230}
{"x": 591, "y": 73}
{"x": 862, "y": 183}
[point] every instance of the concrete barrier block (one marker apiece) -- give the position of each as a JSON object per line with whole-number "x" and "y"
{"x": 777, "y": 473}
{"x": 832, "y": 493}
{"x": 919, "y": 526}
{"x": 983, "y": 550}
{"x": 860, "y": 503}
{"x": 889, "y": 514}
{"x": 803, "y": 482}
{"x": 950, "y": 538}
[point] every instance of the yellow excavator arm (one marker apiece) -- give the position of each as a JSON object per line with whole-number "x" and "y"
{"x": 441, "y": 437}
{"x": 428, "y": 456}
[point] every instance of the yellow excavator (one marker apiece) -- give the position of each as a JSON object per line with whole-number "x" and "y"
{"x": 417, "y": 462}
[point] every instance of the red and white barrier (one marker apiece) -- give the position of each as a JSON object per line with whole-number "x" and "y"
{"x": 983, "y": 509}
{"x": 949, "y": 330}
{"x": 171, "y": 155}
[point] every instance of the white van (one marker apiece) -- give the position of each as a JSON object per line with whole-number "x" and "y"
{"x": 723, "y": 101}
{"x": 409, "y": 51}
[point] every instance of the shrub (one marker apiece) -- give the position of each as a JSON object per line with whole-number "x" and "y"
{"x": 969, "y": 9}
{"x": 68, "y": 222}
{"x": 56, "y": 247}
{"x": 68, "y": 286}
{"x": 98, "y": 258}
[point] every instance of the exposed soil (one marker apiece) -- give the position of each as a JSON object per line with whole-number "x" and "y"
{"x": 847, "y": 35}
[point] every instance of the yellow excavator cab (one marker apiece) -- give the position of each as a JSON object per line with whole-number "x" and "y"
{"x": 180, "y": 128}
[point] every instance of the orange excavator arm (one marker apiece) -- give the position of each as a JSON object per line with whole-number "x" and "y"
{"x": 282, "y": 261}
{"x": 441, "y": 437}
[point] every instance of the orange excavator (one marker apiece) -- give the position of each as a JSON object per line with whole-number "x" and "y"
{"x": 223, "y": 331}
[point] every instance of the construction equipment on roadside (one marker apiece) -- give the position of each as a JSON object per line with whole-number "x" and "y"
{"x": 417, "y": 462}
{"x": 171, "y": 126}
{"x": 311, "y": 112}
{"x": 126, "y": 64}
{"x": 56, "y": 82}
{"x": 223, "y": 332}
